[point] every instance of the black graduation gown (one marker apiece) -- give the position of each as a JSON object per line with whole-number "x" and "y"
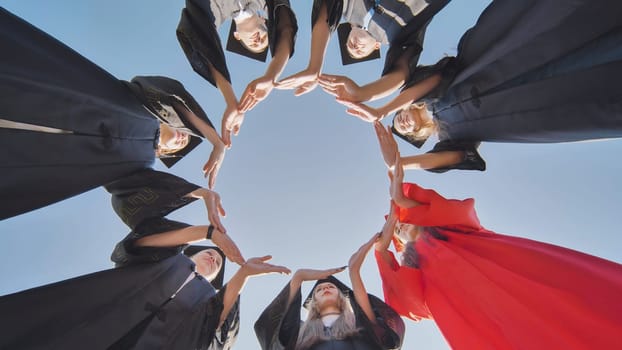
{"x": 278, "y": 326}
{"x": 129, "y": 307}
{"x": 407, "y": 41}
{"x": 198, "y": 35}
{"x": 533, "y": 72}
{"x": 110, "y": 132}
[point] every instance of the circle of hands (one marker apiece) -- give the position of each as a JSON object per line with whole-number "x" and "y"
{"x": 346, "y": 92}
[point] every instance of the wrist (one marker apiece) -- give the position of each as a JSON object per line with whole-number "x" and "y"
{"x": 210, "y": 232}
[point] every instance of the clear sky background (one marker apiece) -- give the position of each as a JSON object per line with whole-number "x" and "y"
{"x": 304, "y": 181}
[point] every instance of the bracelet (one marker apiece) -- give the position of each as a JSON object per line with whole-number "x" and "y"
{"x": 210, "y": 232}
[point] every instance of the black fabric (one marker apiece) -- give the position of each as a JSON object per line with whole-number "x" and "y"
{"x": 156, "y": 92}
{"x": 278, "y": 326}
{"x": 43, "y": 82}
{"x": 128, "y": 305}
{"x": 501, "y": 91}
{"x": 408, "y": 43}
{"x": 471, "y": 159}
{"x": 142, "y": 201}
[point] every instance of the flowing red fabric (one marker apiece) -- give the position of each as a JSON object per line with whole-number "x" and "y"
{"x": 490, "y": 291}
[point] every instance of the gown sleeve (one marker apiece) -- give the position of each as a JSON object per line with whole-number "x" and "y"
{"x": 410, "y": 39}
{"x": 334, "y": 8}
{"x": 142, "y": 201}
{"x": 436, "y": 210}
{"x": 224, "y": 336}
{"x": 403, "y": 288}
{"x": 198, "y": 37}
{"x": 388, "y": 330}
{"x": 471, "y": 160}
{"x": 278, "y": 325}
{"x": 280, "y": 18}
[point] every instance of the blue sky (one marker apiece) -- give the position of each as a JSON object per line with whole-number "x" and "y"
{"x": 304, "y": 181}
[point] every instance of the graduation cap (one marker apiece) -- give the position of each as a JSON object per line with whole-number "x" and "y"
{"x": 235, "y": 46}
{"x": 217, "y": 282}
{"x": 343, "y": 30}
{"x": 410, "y": 138}
{"x": 330, "y": 279}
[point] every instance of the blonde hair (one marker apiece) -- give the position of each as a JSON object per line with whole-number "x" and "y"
{"x": 312, "y": 330}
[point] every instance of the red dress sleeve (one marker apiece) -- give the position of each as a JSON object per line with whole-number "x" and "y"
{"x": 403, "y": 288}
{"x": 436, "y": 210}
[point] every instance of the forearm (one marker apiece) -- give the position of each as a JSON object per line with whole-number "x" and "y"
{"x": 432, "y": 160}
{"x": 320, "y": 34}
{"x": 174, "y": 238}
{"x": 360, "y": 295}
{"x": 384, "y": 86}
{"x": 206, "y": 130}
{"x": 294, "y": 285}
{"x": 410, "y": 95}
{"x": 225, "y": 88}
{"x": 234, "y": 288}
{"x": 281, "y": 57}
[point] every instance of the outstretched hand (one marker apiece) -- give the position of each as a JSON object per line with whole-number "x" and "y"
{"x": 228, "y": 246}
{"x": 232, "y": 120}
{"x": 388, "y": 145}
{"x": 213, "y": 164}
{"x": 314, "y": 275}
{"x": 362, "y": 111}
{"x": 356, "y": 260}
{"x": 256, "y": 91}
{"x": 396, "y": 174}
{"x": 258, "y": 266}
{"x": 341, "y": 87}
{"x": 214, "y": 209}
{"x": 302, "y": 82}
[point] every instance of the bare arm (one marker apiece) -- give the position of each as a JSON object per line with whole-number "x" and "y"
{"x": 360, "y": 293}
{"x": 253, "y": 267}
{"x": 302, "y": 275}
{"x": 307, "y": 79}
{"x": 386, "y": 236}
{"x": 433, "y": 160}
{"x": 174, "y": 238}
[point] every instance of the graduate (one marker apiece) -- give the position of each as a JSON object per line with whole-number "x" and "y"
{"x": 486, "y": 290}
{"x": 527, "y": 72}
{"x": 67, "y": 122}
{"x": 365, "y": 26}
{"x": 157, "y": 297}
{"x": 256, "y": 25}
{"x": 339, "y": 317}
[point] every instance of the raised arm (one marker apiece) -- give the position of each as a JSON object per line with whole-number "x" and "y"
{"x": 253, "y": 267}
{"x": 401, "y": 101}
{"x": 302, "y": 275}
{"x": 306, "y": 80}
{"x": 354, "y": 269}
{"x": 258, "y": 89}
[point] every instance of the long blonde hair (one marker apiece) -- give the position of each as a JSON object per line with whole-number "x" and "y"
{"x": 426, "y": 129}
{"x": 312, "y": 330}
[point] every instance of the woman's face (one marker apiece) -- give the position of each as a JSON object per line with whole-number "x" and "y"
{"x": 405, "y": 121}
{"x": 172, "y": 140}
{"x": 360, "y": 43}
{"x": 406, "y": 232}
{"x": 326, "y": 294}
{"x": 253, "y": 33}
{"x": 208, "y": 263}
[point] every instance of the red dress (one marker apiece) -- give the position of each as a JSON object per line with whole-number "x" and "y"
{"x": 490, "y": 291}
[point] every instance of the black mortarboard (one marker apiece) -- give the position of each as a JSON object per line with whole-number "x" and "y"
{"x": 234, "y": 45}
{"x": 217, "y": 282}
{"x": 331, "y": 279}
{"x": 415, "y": 141}
{"x": 343, "y": 30}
